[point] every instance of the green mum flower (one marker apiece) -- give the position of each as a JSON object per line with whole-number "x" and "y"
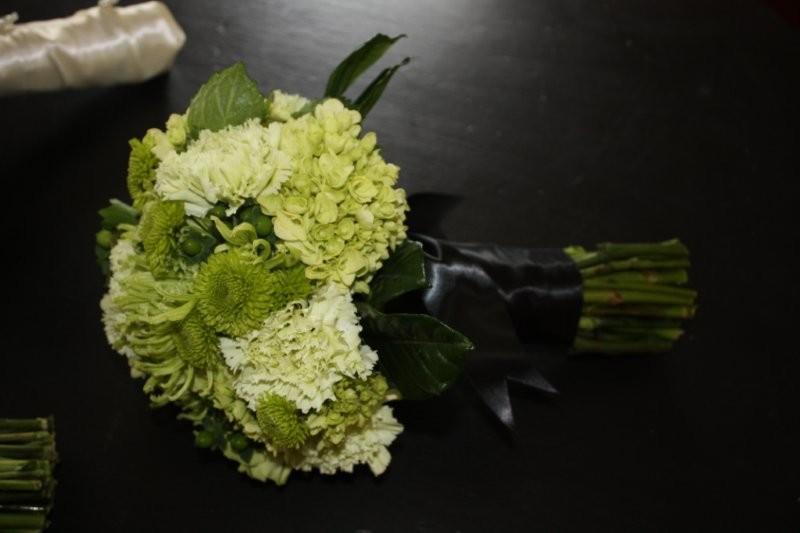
{"x": 158, "y": 231}
{"x": 291, "y": 284}
{"x": 142, "y": 164}
{"x": 235, "y": 295}
{"x": 281, "y": 423}
{"x": 195, "y": 342}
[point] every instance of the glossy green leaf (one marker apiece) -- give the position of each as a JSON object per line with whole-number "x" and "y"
{"x": 402, "y": 272}
{"x": 356, "y": 63}
{"x": 367, "y": 99}
{"x": 418, "y": 354}
{"x": 228, "y": 98}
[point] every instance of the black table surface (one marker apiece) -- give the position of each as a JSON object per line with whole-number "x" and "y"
{"x": 558, "y": 122}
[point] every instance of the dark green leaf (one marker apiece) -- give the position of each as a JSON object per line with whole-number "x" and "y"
{"x": 403, "y": 272}
{"x": 102, "y": 256}
{"x": 228, "y": 98}
{"x": 417, "y": 353}
{"x": 117, "y": 213}
{"x": 367, "y": 99}
{"x": 356, "y": 63}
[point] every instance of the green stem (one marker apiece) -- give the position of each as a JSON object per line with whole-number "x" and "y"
{"x": 633, "y": 264}
{"x": 688, "y": 294}
{"x": 632, "y": 296}
{"x": 43, "y": 497}
{"x": 21, "y": 484}
{"x": 592, "y": 323}
{"x": 664, "y": 277}
{"x": 584, "y": 345}
{"x": 43, "y": 473}
{"x": 667, "y": 334}
{"x": 26, "y": 437}
{"x": 22, "y": 520}
{"x": 8, "y": 425}
{"x": 28, "y": 451}
{"x": 609, "y": 252}
{"x": 654, "y": 311}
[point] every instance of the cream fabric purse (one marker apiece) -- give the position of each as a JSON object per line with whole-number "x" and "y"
{"x": 102, "y": 45}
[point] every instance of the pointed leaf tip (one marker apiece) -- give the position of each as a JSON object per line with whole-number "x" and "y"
{"x": 357, "y": 63}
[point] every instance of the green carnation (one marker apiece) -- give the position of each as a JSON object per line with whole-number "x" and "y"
{"x": 301, "y": 351}
{"x": 281, "y": 423}
{"x": 159, "y": 234}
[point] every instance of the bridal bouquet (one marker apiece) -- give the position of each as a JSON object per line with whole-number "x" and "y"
{"x": 251, "y": 282}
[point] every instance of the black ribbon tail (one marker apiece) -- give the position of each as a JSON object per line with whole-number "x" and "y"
{"x": 496, "y": 295}
{"x": 494, "y": 393}
{"x": 530, "y": 377}
{"x": 490, "y": 372}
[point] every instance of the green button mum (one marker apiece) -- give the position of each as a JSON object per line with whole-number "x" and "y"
{"x": 280, "y": 421}
{"x": 158, "y": 230}
{"x": 195, "y": 342}
{"x": 233, "y": 295}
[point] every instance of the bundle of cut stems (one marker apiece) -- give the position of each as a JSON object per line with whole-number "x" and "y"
{"x": 634, "y": 298}
{"x": 27, "y": 458}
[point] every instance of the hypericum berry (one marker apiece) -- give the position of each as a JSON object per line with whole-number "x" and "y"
{"x": 239, "y": 442}
{"x": 203, "y": 439}
{"x": 191, "y": 246}
{"x": 217, "y": 211}
{"x": 263, "y": 225}
{"x": 104, "y": 239}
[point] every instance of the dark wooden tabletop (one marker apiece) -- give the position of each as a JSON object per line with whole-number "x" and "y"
{"x": 558, "y": 122}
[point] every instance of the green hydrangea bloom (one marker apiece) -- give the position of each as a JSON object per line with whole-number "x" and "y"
{"x": 282, "y": 106}
{"x": 340, "y": 211}
{"x": 159, "y": 233}
{"x": 280, "y": 421}
{"x": 177, "y": 130}
{"x": 352, "y": 410}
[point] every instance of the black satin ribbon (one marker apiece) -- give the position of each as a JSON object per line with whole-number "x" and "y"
{"x": 500, "y": 296}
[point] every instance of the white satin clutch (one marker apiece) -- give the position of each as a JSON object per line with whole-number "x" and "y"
{"x": 99, "y": 46}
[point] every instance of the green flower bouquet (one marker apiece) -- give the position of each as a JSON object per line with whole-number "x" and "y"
{"x": 249, "y": 281}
